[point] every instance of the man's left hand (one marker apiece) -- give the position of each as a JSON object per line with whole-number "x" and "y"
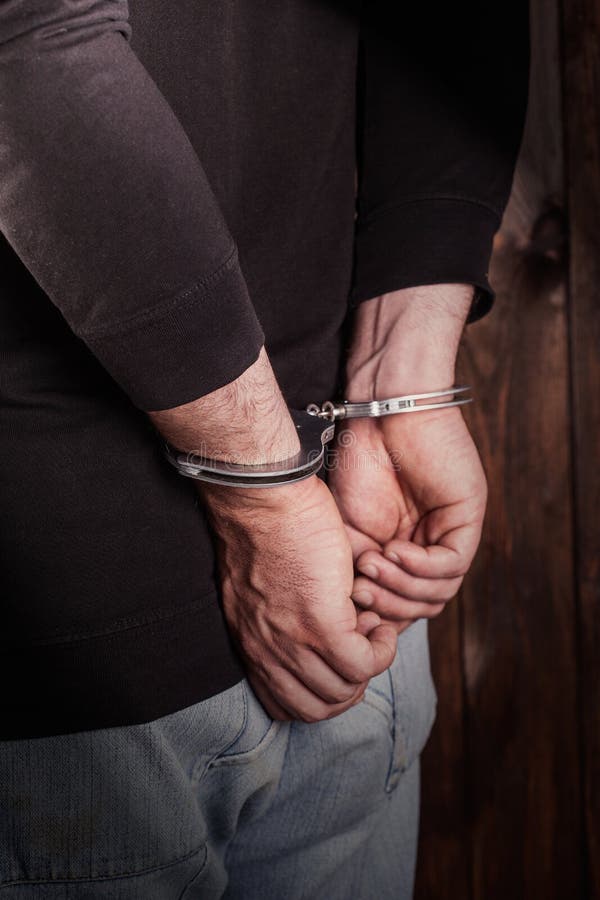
{"x": 410, "y": 487}
{"x": 412, "y": 494}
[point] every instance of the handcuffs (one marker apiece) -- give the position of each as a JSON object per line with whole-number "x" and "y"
{"x": 316, "y": 427}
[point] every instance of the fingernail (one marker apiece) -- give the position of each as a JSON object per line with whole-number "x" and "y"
{"x": 364, "y": 598}
{"x": 369, "y": 570}
{"x": 393, "y": 557}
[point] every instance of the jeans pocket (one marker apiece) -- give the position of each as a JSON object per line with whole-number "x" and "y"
{"x": 257, "y": 734}
{"x": 112, "y": 802}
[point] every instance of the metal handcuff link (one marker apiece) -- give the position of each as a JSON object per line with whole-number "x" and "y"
{"x": 316, "y": 427}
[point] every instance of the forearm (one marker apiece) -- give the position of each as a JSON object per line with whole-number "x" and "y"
{"x": 406, "y": 341}
{"x": 246, "y": 421}
{"x": 105, "y": 201}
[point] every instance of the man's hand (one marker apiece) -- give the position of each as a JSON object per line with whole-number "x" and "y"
{"x": 284, "y": 557}
{"x": 412, "y": 493}
{"x": 410, "y": 487}
{"x": 286, "y": 575}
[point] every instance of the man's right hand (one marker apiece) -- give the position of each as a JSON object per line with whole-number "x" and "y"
{"x": 285, "y": 559}
{"x": 287, "y": 573}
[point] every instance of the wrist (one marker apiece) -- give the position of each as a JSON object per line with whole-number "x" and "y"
{"x": 407, "y": 341}
{"x": 393, "y": 375}
{"x": 242, "y": 504}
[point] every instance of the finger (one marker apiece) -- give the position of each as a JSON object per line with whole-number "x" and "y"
{"x": 358, "y": 658}
{"x": 448, "y": 560}
{"x": 291, "y": 694}
{"x": 366, "y": 621}
{"x": 309, "y": 667}
{"x": 360, "y": 542}
{"x": 390, "y": 605}
{"x": 400, "y": 625}
{"x": 272, "y": 708}
{"x": 391, "y": 576}
{"x": 312, "y": 671}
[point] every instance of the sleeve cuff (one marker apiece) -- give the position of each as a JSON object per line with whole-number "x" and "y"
{"x": 189, "y": 346}
{"x": 426, "y": 241}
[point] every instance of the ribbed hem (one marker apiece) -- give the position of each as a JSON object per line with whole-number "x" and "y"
{"x": 187, "y": 347}
{"x": 426, "y": 241}
{"x": 124, "y": 678}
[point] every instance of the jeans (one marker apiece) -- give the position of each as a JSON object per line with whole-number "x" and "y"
{"x": 220, "y": 801}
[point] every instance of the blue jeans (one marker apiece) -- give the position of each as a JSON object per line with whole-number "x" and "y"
{"x": 219, "y": 801}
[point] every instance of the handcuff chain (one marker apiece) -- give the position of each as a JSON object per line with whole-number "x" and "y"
{"x": 377, "y": 408}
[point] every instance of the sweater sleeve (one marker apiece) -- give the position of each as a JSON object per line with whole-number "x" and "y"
{"x": 104, "y": 200}
{"x": 442, "y": 98}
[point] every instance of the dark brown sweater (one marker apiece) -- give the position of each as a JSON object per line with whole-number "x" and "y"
{"x": 177, "y": 184}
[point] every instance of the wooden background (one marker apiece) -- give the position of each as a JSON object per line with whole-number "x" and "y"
{"x": 511, "y": 775}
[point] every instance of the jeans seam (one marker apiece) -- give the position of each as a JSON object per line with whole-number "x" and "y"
{"x": 195, "y": 875}
{"x": 373, "y": 704}
{"x": 195, "y": 778}
{"x": 63, "y": 879}
{"x": 399, "y": 761}
{"x": 245, "y": 755}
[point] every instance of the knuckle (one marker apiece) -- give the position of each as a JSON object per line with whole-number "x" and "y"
{"x": 452, "y": 589}
{"x": 342, "y": 694}
{"x": 434, "y": 610}
{"x": 359, "y": 673}
{"x": 353, "y": 670}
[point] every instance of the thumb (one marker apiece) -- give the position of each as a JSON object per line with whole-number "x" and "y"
{"x": 384, "y": 643}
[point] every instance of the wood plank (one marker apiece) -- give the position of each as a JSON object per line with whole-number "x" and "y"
{"x": 519, "y": 610}
{"x": 582, "y": 119}
{"x": 443, "y": 867}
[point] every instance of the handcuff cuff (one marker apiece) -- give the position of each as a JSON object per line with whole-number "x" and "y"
{"x": 316, "y": 427}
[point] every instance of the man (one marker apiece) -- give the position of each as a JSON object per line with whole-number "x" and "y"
{"x": 183, "y": 255}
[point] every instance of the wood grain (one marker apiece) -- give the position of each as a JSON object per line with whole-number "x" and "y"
{"x": 444, "y": 865}
{"x": 520, "y": 617}
{"x": 511, "y": 812}
{"x": 581, "y": 22}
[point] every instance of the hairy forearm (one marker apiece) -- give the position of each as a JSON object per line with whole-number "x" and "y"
{"x": 246, "y": 421}
{"x": 407, "y": 341}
